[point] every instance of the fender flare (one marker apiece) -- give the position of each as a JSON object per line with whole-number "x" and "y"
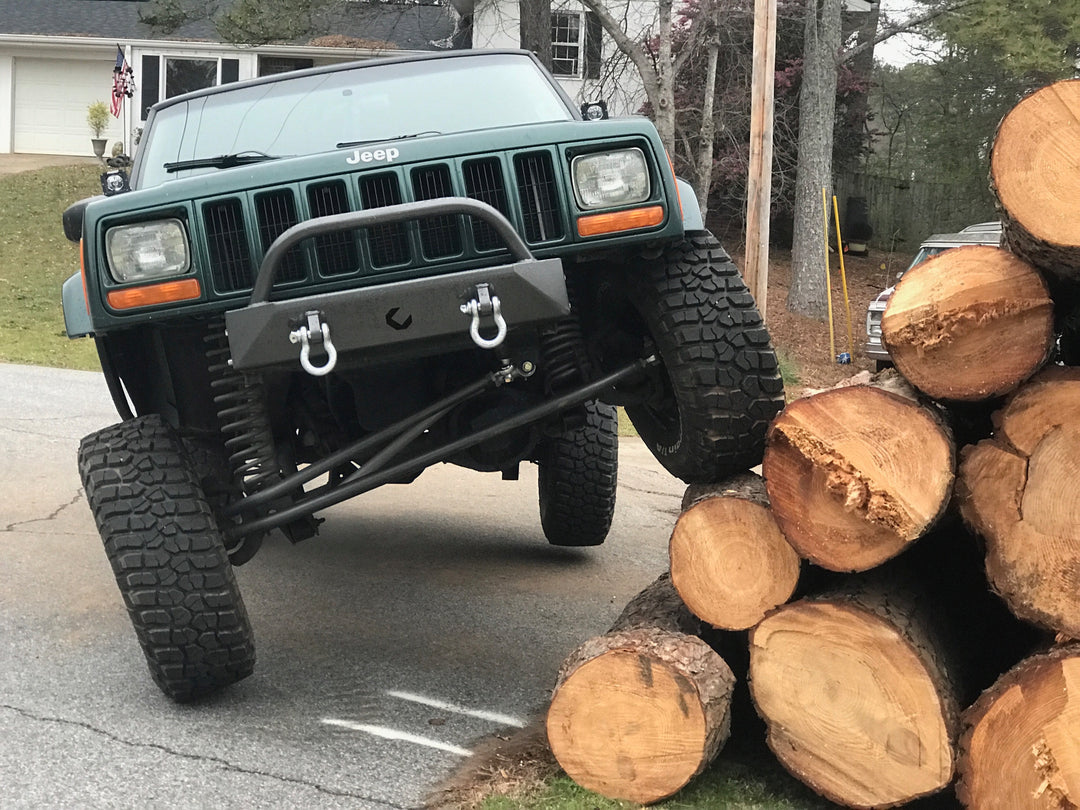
{"x": 691, "y": 211}
{"x": 77, "y": 321}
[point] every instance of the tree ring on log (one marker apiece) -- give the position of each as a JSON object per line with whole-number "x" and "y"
{"x": 1035, "y": 170}
{"x": 637, "y": 714}
{"x": 1020, "y": 746}
{"x": 856, "y": 474}
{"x": 969, "y": 324}
{"x": 852, "y": 707}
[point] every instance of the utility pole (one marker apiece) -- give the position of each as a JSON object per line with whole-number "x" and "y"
{"x": 759, "y": 185}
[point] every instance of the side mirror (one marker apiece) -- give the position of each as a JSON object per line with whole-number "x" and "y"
{"x": 73, "y": 218}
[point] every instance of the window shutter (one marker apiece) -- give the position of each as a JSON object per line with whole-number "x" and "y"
{"x": 594, "y": 33}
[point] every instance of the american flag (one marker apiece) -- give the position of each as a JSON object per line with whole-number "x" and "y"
{"x": 123, "y": 83}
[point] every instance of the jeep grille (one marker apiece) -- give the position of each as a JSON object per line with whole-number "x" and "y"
{"x": 239, "y": 230}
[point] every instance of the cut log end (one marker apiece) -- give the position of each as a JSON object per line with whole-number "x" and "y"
{"x": 1020, "y": 747}
{"x": 852, "y": 708}
{"x": 1018, "y": 491}
{"x": 638, "y": 714}
{"x": 730, "y": 563}
{"x": 969, "y": 324}
{"x": 1035, "y": 174}
{"x": 855, "y": 475}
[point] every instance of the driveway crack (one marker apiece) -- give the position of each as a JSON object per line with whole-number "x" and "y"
{"x": 18, "y": 524}
{"x": 224, "y": 764}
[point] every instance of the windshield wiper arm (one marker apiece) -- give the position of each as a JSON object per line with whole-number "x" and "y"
{"x": 343, "y": 144}
{"x": 219, "y": 161}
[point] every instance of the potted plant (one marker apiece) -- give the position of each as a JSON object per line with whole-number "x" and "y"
{"x": 97, "y": 117}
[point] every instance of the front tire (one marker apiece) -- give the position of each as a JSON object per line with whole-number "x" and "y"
{"x": 168, "y": 556}
{"x": 578, "y": 473}
{"x": 719, "y": 384}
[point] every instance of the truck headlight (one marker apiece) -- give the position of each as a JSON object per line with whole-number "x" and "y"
{"x": 607, "y": 179}
{"x": 147, "y": 250}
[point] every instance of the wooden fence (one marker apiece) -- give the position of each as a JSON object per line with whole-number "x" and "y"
{"x": 903, "y": 213}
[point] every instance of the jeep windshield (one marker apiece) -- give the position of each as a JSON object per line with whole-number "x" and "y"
{"x": 363, "y": 103}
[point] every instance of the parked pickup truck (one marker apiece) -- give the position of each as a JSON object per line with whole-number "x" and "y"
{"x": 320, "y": 282}
{"x": 983, "y": 233}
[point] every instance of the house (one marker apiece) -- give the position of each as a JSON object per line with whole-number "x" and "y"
{"x": 57, "y": 57}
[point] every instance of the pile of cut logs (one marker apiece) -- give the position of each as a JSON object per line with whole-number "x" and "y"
{"x": 906, "y": 573}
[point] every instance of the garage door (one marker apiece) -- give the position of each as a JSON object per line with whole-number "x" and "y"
{"x": 51, "y": 97}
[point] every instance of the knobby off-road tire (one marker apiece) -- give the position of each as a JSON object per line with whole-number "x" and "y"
{"x": 577, "y": 477}
{"x": 720, "y": 380}
{"x": 168, "y": 557}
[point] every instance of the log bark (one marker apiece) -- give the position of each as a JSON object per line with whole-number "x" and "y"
{"x": 858, "y": 703}
{"x": 1020, "y": 747}
{"x": 729, "y": 561}
{"x": 855, "y": 475}
{"x": 1035, "y": 176}
{"x": 969, "y": 324}
{"x": 658, "y": 606}
{"x": 1018, "y": 490}
{"x": 637, "y": 714}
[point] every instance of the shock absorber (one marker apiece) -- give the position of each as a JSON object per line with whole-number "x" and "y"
{"x": 562, "y": 348}
{"x": 240, "y": 401}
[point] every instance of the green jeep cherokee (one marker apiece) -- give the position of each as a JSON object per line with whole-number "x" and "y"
{"x": 325, "y": 281}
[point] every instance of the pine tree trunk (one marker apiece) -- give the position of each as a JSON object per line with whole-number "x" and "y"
{"x": 857, "y": 474}
{"x": 1018, "y": 490}
{"x": 969, "y": 324}
{"x": 729, "y": 561}
{"x": 817, "y": 110}
{"x": 1020, "y": 747}
{"x": 857, "y": 702}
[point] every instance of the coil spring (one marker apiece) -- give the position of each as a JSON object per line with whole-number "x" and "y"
{"x": 562, "y": 349}
{"x": 241, "y": 408}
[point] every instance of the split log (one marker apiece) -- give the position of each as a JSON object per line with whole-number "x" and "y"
{"x": 1035, "y": 175}
{"x": 729, "y": 561}
{"x": 1020, "y": 747}
{"x": 969, "y": 324}
{"x": 1018, "y": 490}
{"x": 855, "y": 475}
{"x": 640, "y": 711}
{"x": 856, "y": 699}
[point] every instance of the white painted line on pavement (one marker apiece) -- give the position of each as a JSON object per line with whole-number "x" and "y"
{"x": 494, "y": 717}
{"x": 394, "y": 734}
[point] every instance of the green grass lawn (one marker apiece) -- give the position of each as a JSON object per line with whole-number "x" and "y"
{"x": 35, "y": 259}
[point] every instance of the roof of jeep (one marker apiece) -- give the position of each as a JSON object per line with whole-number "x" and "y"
{"x": 411, "y": 26}
{"x": 341, "y": 66}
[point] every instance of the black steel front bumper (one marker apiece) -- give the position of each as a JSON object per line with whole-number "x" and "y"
{"x": 400, "y": 315}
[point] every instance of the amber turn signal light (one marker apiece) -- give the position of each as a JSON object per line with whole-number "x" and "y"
{"x": 164, "y": 293}
{"x": 597, "y": 224}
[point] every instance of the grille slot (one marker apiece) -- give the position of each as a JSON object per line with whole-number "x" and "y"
{"x": 538, "y": 195}
{"x": 440, "y": 237}
{"x": 230, "y": 257}
{"x": 335, "y": 253}
{"x": 484, "y": 182}
{"x": 388, "y": 244}
{"x": 275, "y": 212}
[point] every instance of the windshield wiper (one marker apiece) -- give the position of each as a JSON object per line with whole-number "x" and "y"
{"x": 219, "y": 161}
{"x": 343, "y": 144}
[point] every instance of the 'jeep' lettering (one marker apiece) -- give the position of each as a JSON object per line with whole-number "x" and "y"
{"x": 389, "y": 155}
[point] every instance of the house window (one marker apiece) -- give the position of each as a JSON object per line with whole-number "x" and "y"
{"x": 271, "y": 65}
{"x": 167, "y": 76}
{"x": 575, "y": 44}
{"x": 184, "y": 75}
